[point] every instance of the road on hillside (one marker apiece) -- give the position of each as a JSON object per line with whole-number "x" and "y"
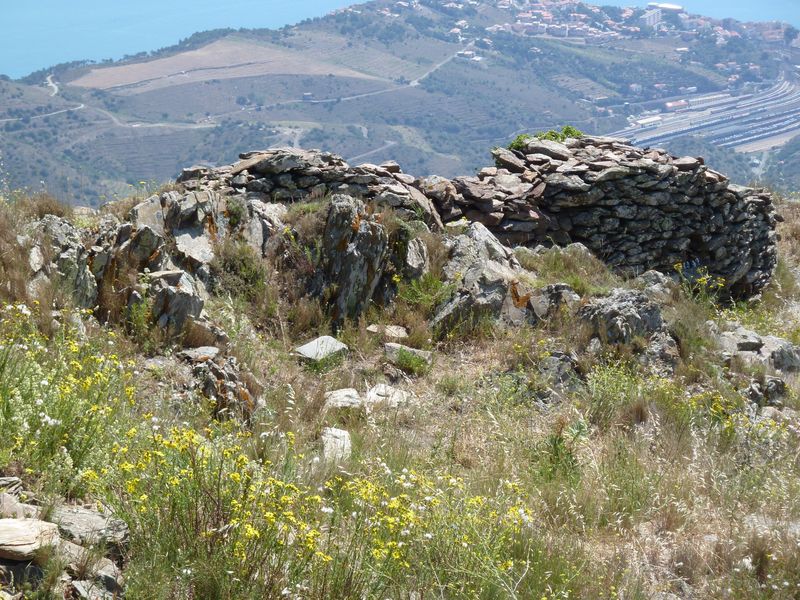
{"x": 139, "y": 125}
{"x": 386, "y": 146}
{"x": 52, "y": 85}
{"x": 34, "y": 117}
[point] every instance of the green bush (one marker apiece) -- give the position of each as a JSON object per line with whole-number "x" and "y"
{"x": 566, "y": 132}
{"x": 425, "y": 293}
{"x": 412, "y": 364}
{"x": 237, "y": 212}
{"x": 520, "y": 142}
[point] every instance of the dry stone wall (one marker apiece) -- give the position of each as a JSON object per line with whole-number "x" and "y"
{"x": 636, "y": 209}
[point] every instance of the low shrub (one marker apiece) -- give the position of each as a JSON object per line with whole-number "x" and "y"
{"x": 412, "y": 364}
{"x": 63, "y": 401}
{"x": 426, "y": 293}
{"x": 521, "y": 141}
{"x": 239, "y": 271}
{"x": 237, "y": 212}
{"x": 36, "y": 206}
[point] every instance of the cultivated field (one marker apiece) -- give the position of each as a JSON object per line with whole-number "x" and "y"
{"x": 229, "y": 58}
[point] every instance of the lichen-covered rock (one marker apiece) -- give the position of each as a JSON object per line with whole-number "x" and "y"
{"x": 774, "y": 352}
{"x": 221, "y": 381}
{"x": 355, "y": 249}
{"x": 417, "y": 260}
{"x": 622, "y": 316}
{"x": 548, "y": 301}
{"x": 626, "y": 316}
{"x": 294, "y": 174}
{"x": 486, "y": 279}
{"x": 55, "y": 237}
{"x": 87, "y": 527}
{"x": 176, "y": 300}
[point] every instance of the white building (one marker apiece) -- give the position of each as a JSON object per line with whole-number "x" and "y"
{"x": 652, "y": 17}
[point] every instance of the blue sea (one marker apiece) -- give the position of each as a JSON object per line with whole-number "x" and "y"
{"x": 743, "y": 10}
{"x": 35, "y": 34}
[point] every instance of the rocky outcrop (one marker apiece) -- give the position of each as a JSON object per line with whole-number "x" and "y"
{"x": 355, "y": 249}
{"x": 770, "y": 351}
{"x": 627, "y": 317}
{"x": 24, "y": 539}
{"x": 636, "y": 209}
{"x": 221, "y": 380}
{"x": 27, "y": 544}
{"x": 56, "y": 253}
{"x": 485, "y": 277}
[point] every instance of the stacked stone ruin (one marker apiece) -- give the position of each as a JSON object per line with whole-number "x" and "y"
{"x": 636, "y": 209}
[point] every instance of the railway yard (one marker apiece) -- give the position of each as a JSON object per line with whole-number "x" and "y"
{"x": 752, "y": 122}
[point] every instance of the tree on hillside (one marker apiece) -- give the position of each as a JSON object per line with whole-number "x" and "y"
{"x": 790, "y": 34}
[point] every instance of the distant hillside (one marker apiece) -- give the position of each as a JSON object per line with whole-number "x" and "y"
{"x": 783, "y": 170}
{"x": 735, "y": 165}
{"x": 429, "y": 84}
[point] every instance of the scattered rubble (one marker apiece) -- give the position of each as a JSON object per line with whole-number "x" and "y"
{"x": 776, "y": 353}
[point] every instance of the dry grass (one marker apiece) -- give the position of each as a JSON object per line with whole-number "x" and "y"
{"x": 36, "y": 206}
{"x": 646, "y": 484}
{"x": 585, "y": 273}
{"x": 14, "y": 273}
{"x": 789, "y": 230}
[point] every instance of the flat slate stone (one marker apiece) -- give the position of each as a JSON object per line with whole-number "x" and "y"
{"x": 100, "y": 568}
{"x": 88, "y": 527}
{"x": 346, "y": 398}
{"x": 321, "y": 348}
{"x": 390, "y": 331}
{"x": 12, "y": 508}
{"x": 387, "y": 395}
{"x": 195, "y": 246}
{"x": 89, "y": 590}
{"x": 22, "y": 539}
{"x": 199, "y": 355}
{"x": 10, "y": 485}
{"x": 393, "y": 352}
